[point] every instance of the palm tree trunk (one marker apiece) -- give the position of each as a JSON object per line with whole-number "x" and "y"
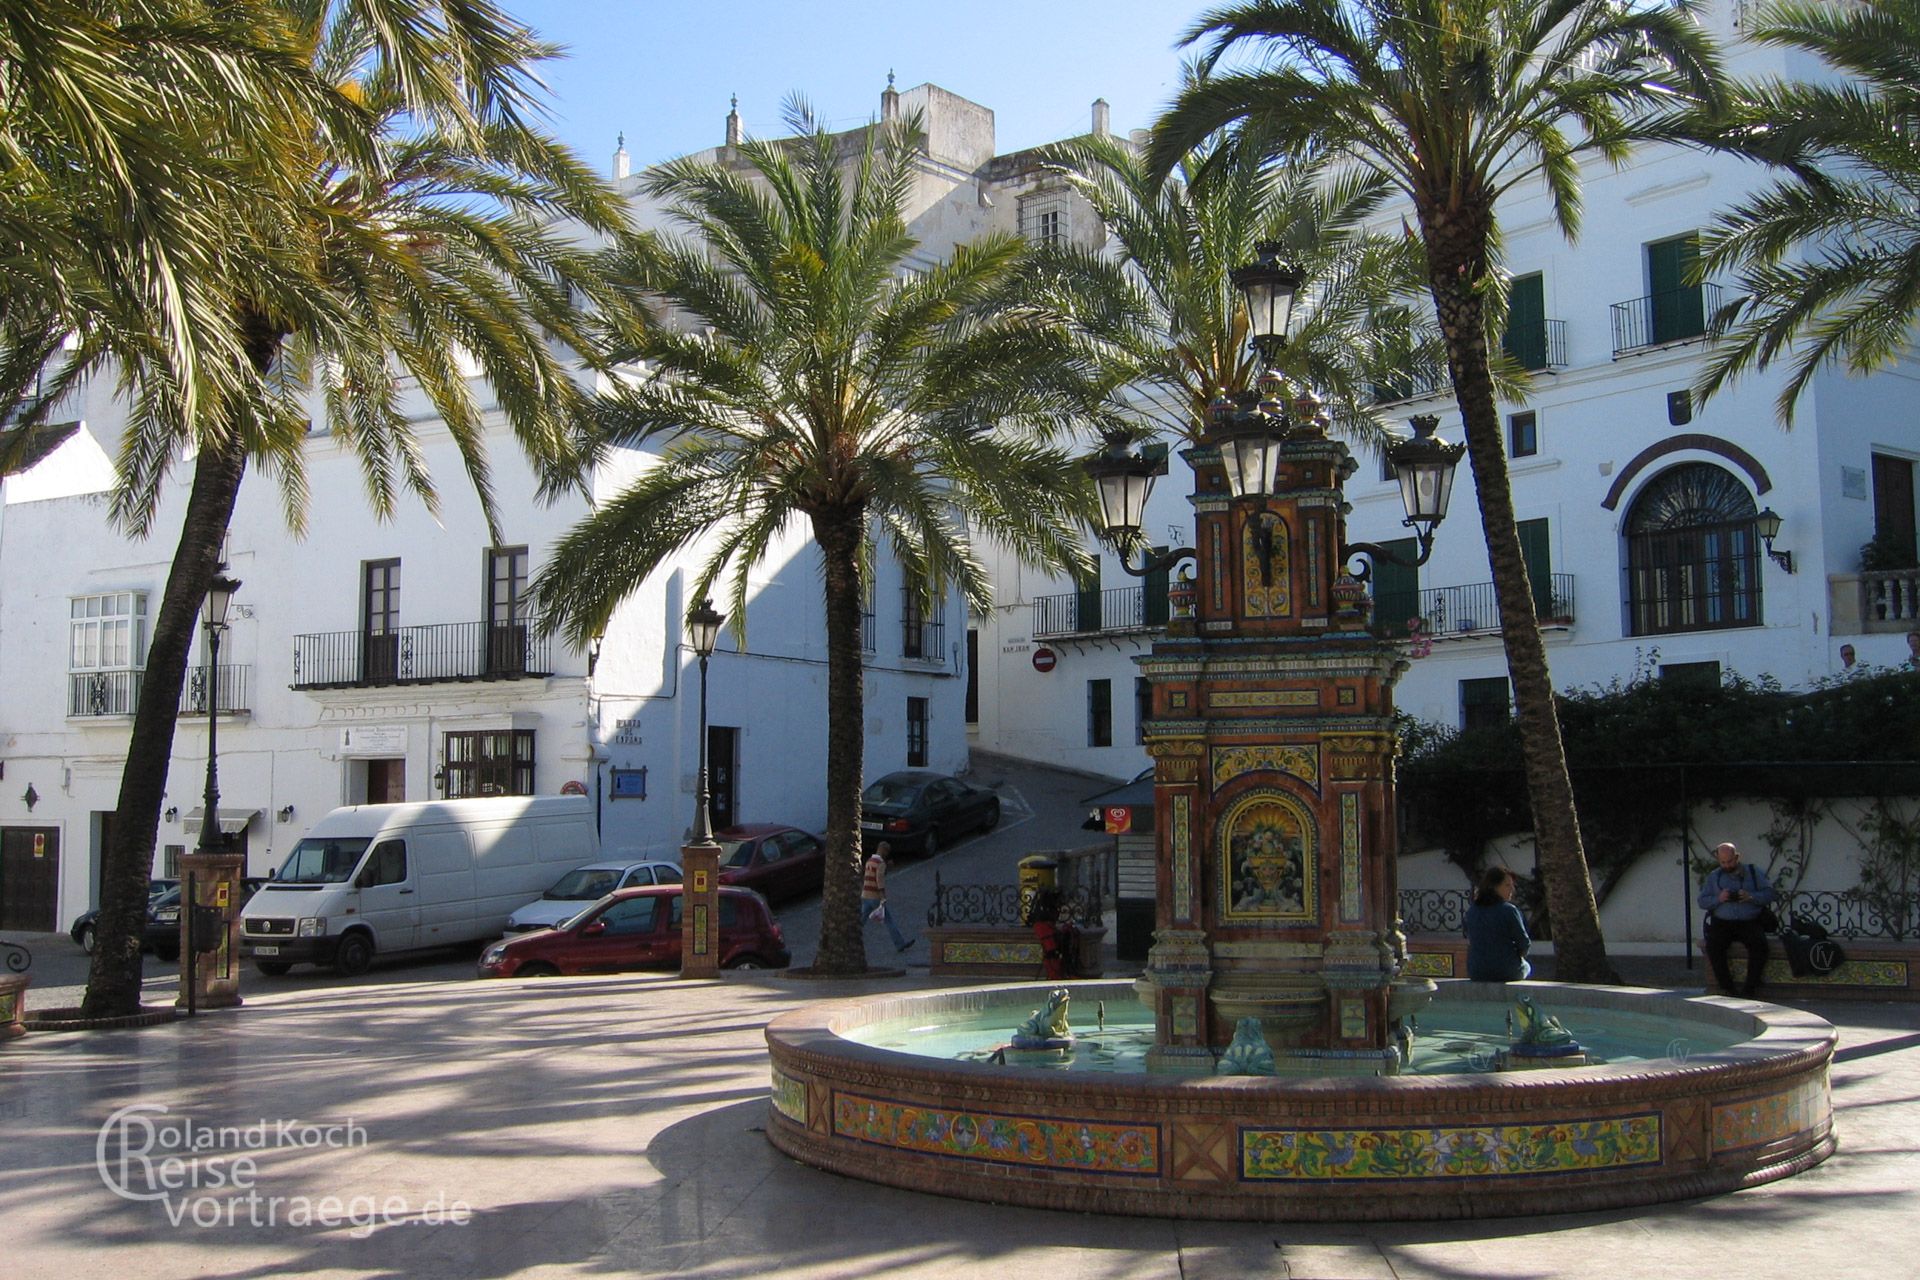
{"x": 1456, "y": 255}
{"x": 842, "y": 944}
{"x": 113, "y": 980}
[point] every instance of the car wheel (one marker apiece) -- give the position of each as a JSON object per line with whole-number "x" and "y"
{"x": 84, "y": 936}
{"x": 354, "y": 956}
{"x": 536, "y": 969}
{"x": 931, "y": 845}
{"x": 993, "y": 817}
{"x": 168, "y": 952}
{"x": 746, "y": 962}
{"x": 274, "y": 968}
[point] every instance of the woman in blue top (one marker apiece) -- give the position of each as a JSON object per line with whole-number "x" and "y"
{"x": 1497, "y": 941}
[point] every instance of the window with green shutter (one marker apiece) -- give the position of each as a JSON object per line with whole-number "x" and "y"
{"x": 1396, "y": 588}
{"x": 1678, "y": 309}
{"x": 1526, "y": 336}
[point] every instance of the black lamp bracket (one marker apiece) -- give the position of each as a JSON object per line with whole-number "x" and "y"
{"x": 1377, "y": 552}
{"x": 1160, "y": 563}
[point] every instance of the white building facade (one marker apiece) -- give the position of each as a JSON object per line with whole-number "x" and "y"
{"x": 372, "y": 661}
{"x": 1637, "y": 505}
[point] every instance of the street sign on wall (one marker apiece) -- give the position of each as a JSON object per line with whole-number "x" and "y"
{"x": 1044, "y": 659}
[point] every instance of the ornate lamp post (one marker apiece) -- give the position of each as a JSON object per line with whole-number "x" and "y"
{"x": 700, "y": 857}
{"x": 1271, "y": 729}
{"x": 210, "y": 875}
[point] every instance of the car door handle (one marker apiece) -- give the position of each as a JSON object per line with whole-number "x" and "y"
{"x": 406, "y": 891}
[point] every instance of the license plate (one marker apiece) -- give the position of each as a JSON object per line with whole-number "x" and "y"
{"x": 266, "y": 951}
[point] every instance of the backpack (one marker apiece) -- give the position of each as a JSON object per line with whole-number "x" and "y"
{"x": 1811, "y": 952}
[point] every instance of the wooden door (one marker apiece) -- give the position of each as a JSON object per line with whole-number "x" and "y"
{"x": 29, "y": 879}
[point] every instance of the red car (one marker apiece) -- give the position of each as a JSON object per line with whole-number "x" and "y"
{"x": 778, "y": 861}
{"x": 639, "y": 929}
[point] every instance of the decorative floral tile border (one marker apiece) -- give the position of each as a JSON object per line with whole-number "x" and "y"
{"x": 789, "y": 1097}
{"x": 1465, "y": 1151}
{"x": 990, "y": 953}
{"x": 1034, "y": 1141}
{"x": 1754, "y": 1121}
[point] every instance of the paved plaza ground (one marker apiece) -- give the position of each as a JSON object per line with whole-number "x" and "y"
{"x": 613, "y": 1126}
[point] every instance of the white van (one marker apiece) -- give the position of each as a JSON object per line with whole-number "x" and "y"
{"x": 384, "y": 878}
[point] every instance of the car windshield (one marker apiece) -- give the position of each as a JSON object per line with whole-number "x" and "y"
{"x": 574, "y": 921}
{"x": 893, "y": 791}
{"x": 585, "y": 884}
{"x": 168, "y": 898}
{"x": 321, "y": 860}
{"x": 735, "y": 853}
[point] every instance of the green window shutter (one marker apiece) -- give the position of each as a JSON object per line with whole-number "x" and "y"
{"x": 1679, "y": 311}
{"x": 1396, "y": 588}
{"x": 1087, "y": 601}
{"x": 1526, "y": 337}
{"x": 1533, "y": 550}
{"x": 1154, "y": 611}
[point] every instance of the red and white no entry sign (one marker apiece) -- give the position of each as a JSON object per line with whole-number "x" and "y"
{"x": 1044, "y": 658}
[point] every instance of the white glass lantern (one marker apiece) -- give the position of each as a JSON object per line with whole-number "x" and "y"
{"x": 703, "y": 628}
{"x": 1424, "y": 466}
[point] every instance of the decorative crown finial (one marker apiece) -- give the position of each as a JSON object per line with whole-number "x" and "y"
{"x": 889, "y": 77}
{"x": 736, "y": 102}
{"x": 620, "y": 141}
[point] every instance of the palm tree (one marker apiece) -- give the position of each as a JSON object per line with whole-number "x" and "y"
{"x": 801, "y": 377}
{"x": 120, "y": 123}
{"x": 1456, "y": 103}
{"x": 1827, "y": 260}
{"x": 1165, "y": 315}
{"x": 421, "y": 233}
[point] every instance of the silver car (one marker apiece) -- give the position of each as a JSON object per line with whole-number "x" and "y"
{"x": 581, "y": 887}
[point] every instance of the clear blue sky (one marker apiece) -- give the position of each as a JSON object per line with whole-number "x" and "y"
{"x": 662, "y": 72}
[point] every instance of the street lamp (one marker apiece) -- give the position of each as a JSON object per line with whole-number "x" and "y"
{"x": 214, "y": 617}
{"x": 1767, "y": 525}
{"x": 700, "y": 856}
{"x": 703, "y": 631}
{"x": 1268, "y": 287}
{"x": 1424, "y": 465}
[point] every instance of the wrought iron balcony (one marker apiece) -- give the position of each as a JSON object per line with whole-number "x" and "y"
{"x": 1412, "y": 386}
{"x": 117, "y": 693}
{"x": 439, "y": 654}
{"x": 1540, "y": 345}
{"x": 921, "y": 637}
{"x": 1472, "y": 609}
{"x": 1085, "y": 613}
{"x": 1659, "y": 318}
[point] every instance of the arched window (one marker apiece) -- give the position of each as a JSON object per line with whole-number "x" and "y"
{"x": 1693, "y": 559}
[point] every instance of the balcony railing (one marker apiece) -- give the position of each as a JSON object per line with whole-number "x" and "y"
{"x": 1541, "y": 345}
{"x": 1472, "y": 609}
{"x": 117, "y": 693}
{"x": 1411, "y": 386}
{"x": 1080, "y": 613}
{"x": 1891, "y": 595}
{"x": 921, "y": 637}
{"x": 232, "y": 690}
{"x": 448, "y": 651}
{"x": 1660, "y": 318}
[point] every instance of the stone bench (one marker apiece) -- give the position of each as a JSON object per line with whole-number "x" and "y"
{"x": 1006, "y": 951}
{"x": 13, "y": 1004}
{"x": 1875, "y": 969}
{"x": 1436, "y": 955}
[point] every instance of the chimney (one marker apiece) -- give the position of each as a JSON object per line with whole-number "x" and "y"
{"x": 735, "y": 134}
{"x": 622, "y": 162}
{"x": 889, "y": 100}
{"x": 1101, "y": 116}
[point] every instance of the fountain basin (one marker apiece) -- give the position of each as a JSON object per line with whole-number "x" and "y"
{"x": 1293, "y": 1148}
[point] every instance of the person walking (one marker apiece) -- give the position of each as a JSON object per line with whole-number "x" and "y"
{"x": 873, "y": 896}
{"x": 1735, "y": 896}
{"x": 1497, "y": 938}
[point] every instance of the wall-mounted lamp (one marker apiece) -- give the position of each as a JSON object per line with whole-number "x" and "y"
{"x": 31, "y": 796}
{"x": 172, "y": 814}
{"x": 439, "y": 779}
{"x": 286, "y": 814}
{"x": 593, "y": 653}
{"x": 1767, "y": 525}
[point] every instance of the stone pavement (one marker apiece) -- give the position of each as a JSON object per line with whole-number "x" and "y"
{"x": 612, "y": 1126}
